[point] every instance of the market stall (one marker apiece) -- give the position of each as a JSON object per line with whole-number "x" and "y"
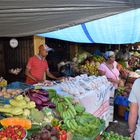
{"x": 76, "y": 103}
{"x": 41, "y": 114}
{"x": 92, "y": 92}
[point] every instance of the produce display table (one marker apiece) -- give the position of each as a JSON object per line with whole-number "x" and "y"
{"x": 99, "y": 100}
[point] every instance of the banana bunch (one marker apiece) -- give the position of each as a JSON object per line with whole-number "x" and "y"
{"x": 72, "y": 125}
{"x": 79, "y": 109}
{"x": 64, "y": 107}
{"x": 98, "y": 58}
{"x": 74, "y": 117}
{"x": 91, "y": 69}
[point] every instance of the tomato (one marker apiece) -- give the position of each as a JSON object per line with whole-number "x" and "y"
{"x": 12, "y": 133}
{"x": 63, "y": 132}
{"x": 63, "y": 137}
{"x": 23, "y": 134}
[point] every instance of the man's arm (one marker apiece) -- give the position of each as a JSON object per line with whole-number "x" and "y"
{"x": 27, "y": 73}
{"x": 133, "y": 114}
{"x": 50, "y": 75}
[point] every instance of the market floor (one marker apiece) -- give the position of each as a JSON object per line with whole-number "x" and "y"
{"x": 121, "y": 127}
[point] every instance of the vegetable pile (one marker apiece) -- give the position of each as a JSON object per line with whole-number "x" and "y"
{"x": 19, "y": 106}
{"x": 113, "y": 136}
{"x": 50, "y": 114}
{"x": 25, "y": 123}
{"x": 41, "y": 98}
{"x": 8, "y": 93}
{"x": 12, "y": 133}
{"x": 74, "y": 117}
{"x": 41, "y": 118}
{"x": 91, "y": 65}
{"x": 48, "y": 133}
{"x": 124, "y": 91}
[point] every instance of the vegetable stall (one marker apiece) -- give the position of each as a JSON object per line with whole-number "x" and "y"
{"x": 74, "y": 109}
{"x": 44, "y": 114}
{"x": 77, "y": 108}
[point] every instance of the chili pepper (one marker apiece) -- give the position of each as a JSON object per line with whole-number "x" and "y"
{"x": 63, "y": 135}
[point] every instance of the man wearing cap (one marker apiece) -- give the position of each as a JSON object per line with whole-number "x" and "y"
{"x": 37, "y": 66}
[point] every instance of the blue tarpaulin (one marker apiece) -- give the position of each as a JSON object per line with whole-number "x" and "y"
{"x": 123, "y": 28}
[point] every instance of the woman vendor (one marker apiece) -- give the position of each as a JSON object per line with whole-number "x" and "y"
{"x": 110, "y": 68}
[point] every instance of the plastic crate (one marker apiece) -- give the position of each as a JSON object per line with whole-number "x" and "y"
{"x": 97, "y": 133}
{"x": 121, "y": 100}
{"x": 126, "y": 115}
{"x": 19, "y": 85}
{"x": 121, "y": 110}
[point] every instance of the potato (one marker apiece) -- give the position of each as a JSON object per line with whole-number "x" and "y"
{"x": 18, "y": 91}
{"x": 9, "y": 91}
{"x": 13, "y": 92}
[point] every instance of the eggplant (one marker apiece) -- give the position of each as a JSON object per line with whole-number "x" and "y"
{"x": 49, "y": 104}
{"x": 35, "y": 99}
{"x": 41, "y": 97}
{"x": 40, "y": 91}
{"x": 39, "y": 107}
{"x": 45, "y": 136}
{"x": 43, "y": 92}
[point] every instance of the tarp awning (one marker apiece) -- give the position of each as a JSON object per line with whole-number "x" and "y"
{"x": 122, "y": 28}
{"x": 29, "y": 17}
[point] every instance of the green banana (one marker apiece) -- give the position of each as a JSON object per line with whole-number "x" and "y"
{"x": 74, "y": 123}
{"x": 60, "y": 107}
{"x": 68, "y": 124}
{"x": 67, "y": 114}
{"x": 67, "y": 100}
{"x": 71, "y": 113}
{"x": 54, "y": 100}
{"x": 79, "y": 108}
{"x": 67, "y": 117}
{"x": 72, "y": 126}
{"x": 73, "y": 110}
{"x": 62, "y": 115}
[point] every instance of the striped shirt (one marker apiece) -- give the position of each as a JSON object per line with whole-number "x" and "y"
{"x": 37, "y": 66}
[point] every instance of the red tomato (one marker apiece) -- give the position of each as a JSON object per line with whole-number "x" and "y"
{"x": 63, "y": 135}
{"x": 63, "y": 132}
{"x": 23, "y": 134}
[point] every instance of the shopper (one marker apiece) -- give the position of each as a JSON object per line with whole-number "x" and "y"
{"x": 109, "y": 68}
{"x": 134, "y": 98}
{"x": 37, "y": 67}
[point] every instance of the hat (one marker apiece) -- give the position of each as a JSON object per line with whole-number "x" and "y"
{"x": 45, "y": 47}
{"x": 108, "y": 54}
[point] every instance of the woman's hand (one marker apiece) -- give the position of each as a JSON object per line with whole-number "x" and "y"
{"x": 132, "y": 136}
{"x": 114, "y": 81}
